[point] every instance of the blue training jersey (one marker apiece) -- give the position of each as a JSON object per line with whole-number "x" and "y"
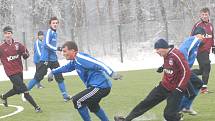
{"x": 92, "y": 72}
{"x": 37, "y": 51}
{"x": 189, "y": 48}
{"x": 49, "y": 46}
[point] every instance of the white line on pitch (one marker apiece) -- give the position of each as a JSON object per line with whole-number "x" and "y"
{"x": 19, "y": 109}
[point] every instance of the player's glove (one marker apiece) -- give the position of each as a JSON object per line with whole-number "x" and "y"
{"x": 160, "y": 69}
{"x": 50, "y": 77}
{"x": 25, "y": 55}
{"x": 59, "y": 48}
{"x": 116, "y": 76}
{"x": 171, "y": 46}
{"x": 213, "y": 49}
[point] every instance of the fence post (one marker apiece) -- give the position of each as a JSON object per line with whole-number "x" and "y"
{"x": 24, "y": 41}
{"x": 120, "y": 43}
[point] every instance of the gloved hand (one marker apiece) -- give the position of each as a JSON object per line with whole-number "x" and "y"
{"x": 213, "y": 49}
{"x": 50, "y": 77}
{"x": 116, "y": 76}
{"x": 59, "y": 48}
{"x": 25, "y": 55}
{"x": 171, "y": 46}
{"x": 160, "y": 69}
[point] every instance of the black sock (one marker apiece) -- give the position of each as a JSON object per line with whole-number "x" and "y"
{"x": 9, "y": 93}
{"x": 30, "y": 99}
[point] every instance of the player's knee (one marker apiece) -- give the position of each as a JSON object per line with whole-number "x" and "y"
{"x": 20, "y": 90}
{"x": 207, "y": 64}
{"x": 39, "y": 77}
{"x": 59, "y": 81}
{"x": 93, "y": 107}
{"x": 59, "y": 78}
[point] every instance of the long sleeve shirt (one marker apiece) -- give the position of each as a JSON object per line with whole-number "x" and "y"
{"x": 92, "y": 72}
{"x": 49, "y": 46}
{"x": 176, "y": 71}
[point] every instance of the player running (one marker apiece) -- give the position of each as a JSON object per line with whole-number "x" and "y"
{"x": 11, "y": 54}
{"x": 94, "y": 74}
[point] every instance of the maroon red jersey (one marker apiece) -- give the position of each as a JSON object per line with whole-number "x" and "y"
{"x": 176, "y": 71}
{"x": 209, "y": 38}
{"x": 10, "y": 55}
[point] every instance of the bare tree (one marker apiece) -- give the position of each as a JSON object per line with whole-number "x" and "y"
{"x": 164, "y": 16}
{"x": 140, "y": 20}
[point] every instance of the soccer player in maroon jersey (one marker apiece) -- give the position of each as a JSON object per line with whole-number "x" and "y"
{"x": 11, "y": 54}
{"x": 173, "y": 84}
{"x": 204, "y": 50}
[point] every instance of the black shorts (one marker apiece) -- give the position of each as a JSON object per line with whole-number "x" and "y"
{"x": 90, "y": 97}
{"x": 18, "y": 84}
{"x": 42, "y": 68}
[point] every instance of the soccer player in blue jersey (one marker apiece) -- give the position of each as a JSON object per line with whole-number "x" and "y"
{"x": 37, "y": 52}
{"x": 94, "y": 75}
{"x": 48, "y": 59}
{"x": 189, "y": 48}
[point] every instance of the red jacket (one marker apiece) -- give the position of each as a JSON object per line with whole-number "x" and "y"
{"x": 176, "y": 71}
{"x": 209, "y": 39}
{"x": 10, "y": 55}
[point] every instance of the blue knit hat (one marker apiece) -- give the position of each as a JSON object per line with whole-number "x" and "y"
{"x": 198, "y": 30}
{"x": 161, "y": 43}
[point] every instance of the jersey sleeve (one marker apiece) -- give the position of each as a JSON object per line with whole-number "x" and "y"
{"x": 63, "y": 69}
{"x": 192, "y": 30}
{"x": 23, "y": 51}
{"x": 0, "y": 51}
{"x": 93, "y": 64}
{"x": 37, "y": 48}
{"x": 212, "y": 35}
{"x": 184, "y": 68}
{"x": 48, "y": 39}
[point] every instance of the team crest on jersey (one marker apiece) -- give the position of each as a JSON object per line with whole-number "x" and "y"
{"x": 171, "y": 61}
{"x": 17, "y": 46}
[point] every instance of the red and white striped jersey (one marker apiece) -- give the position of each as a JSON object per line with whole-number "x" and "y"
{"x": 176, "y": 71}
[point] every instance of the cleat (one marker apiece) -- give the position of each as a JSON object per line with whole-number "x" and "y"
{"x": 181, "y": 115}
{"x": 119, "y": 118}
{"x": 68, "y": 98}
{"x": 189, "y": 111}
{"x": 4, "y": 100}
{"x": 39, "y": 86}
{"x": 38, "y": 109}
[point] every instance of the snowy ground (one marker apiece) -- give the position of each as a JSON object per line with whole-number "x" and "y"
{"x": 142, "y": 62}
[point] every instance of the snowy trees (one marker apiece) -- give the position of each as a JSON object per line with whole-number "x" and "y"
{"x": 93, "y": 24}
